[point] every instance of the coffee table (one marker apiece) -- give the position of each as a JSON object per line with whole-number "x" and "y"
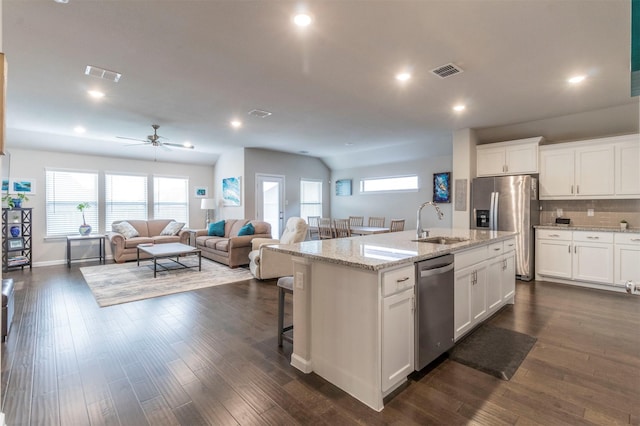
{"x": 168, "y": 251}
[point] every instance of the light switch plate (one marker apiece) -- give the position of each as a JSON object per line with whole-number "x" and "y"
{"x": 299, "y": 280}
{"x": 589, "y": 212}
{"x": 559, "y": 212}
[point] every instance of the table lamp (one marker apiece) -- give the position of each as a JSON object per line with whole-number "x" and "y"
{"x": 208, "y": 204}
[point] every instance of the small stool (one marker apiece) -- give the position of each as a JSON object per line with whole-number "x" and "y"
{"x": 285, "y": 285}
{"x": 7, "y": 306}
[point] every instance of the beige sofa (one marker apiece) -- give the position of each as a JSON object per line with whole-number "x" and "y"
{"x": 232, "y": 250}
{"x": 124, "y": 249}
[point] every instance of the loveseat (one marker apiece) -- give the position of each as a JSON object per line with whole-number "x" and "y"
{"x": 231, "y": 249}
{"x": 124, "y": 247}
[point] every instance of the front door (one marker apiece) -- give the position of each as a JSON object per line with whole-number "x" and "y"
{"x": 270, "y": 202}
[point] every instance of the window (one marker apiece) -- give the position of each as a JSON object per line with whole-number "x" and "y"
{"x": 125, "y": 198}
{"x": 310, "y": 198}
{"x": 171, "y": 198}
{"x": 66, "y": 189}
{"x": 393, "y": 183}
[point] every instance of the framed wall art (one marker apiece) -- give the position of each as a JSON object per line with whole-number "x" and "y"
{"x": 343, "y": 187}
{"x": 22, "y": 185}
{"x": 442, "y": 187}
{"x": 231, "y": 191}
{"x": 201, "y": 191}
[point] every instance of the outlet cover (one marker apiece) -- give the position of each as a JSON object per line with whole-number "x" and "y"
{"x": 559, "y": 212}
{"x": 300, "y": 280}
{"x": 589, "y": 212}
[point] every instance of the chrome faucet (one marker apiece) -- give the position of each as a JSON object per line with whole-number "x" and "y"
{"x": 423, "y": 233}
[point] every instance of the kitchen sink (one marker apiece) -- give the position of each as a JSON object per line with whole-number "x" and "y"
{"x": 441, "y": 240}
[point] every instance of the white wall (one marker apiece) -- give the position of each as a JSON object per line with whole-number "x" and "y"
{"x": 294, "y": 168}
{"x": 400, "y": 205}
{"x": 464, "y": 167}
{"x": 32, "y": 164}
{"x": 230, "y": 164}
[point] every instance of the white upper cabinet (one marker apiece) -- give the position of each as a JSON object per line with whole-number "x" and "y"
{"x": 508, "y": 158}
{"x": 600, "y": 168}
{"x": 627, "y": 166}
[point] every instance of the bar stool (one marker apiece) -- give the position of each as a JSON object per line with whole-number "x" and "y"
{"x": 285, "y": 285}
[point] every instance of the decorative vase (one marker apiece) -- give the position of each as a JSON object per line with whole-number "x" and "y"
{"x": 85, "y": 229}
{"x": 17, "y": 203}
{"x": 15, "y": 231}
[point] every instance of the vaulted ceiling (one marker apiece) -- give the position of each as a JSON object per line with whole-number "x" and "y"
{"x": 193, "y": 66}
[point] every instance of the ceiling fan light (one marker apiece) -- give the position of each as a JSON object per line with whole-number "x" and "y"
{"x": 187, "y": 144}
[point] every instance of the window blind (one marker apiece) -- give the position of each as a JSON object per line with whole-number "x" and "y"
{"x": 65, "y": 189}
{"x": 125, "y": 198}
{"x": 171, "y": 198}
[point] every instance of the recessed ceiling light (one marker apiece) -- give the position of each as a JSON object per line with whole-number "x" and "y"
{"x": 302, "y": 20}
{"x": 187, "y": 144}
{"x": 459, "y": 108}
{"x": 236, "y": 124}
{"x": 96, "y": 94}
{"x": 577, "y": 79}
{"x": 62, "y": 1}
{"x": 79, "y": 129}
{"x": 348, "y": 144}
{"x": 403, "y": 76}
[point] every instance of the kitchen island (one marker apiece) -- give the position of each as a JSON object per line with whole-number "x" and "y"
{"x": 353, "y": 309}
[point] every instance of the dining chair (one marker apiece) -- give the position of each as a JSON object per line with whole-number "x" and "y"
{"x": 342, "y": 228}
{"x": 397, "y": 225}
{"x": 313, "y": 227}
{"x": 325, "y": 231}
{"x": 376, "y": 221}
{"x": 356, "y": 220}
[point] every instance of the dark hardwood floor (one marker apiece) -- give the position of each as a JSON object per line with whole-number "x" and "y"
{"x": 210, "y": 357}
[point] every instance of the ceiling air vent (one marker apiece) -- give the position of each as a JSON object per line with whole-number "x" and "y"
{"x": 102, "y": 73}
{"x": 259, "y": 113}
{"x": 447, "y": 70}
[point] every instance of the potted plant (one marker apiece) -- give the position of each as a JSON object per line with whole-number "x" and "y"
{"x": 623, "y": 224}
{"x": 84, "y": 228}
{"x": 15, "y": 201}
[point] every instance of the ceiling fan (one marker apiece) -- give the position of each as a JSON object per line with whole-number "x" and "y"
{"x": 154, "y": 140}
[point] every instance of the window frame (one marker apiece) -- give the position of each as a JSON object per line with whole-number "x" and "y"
{"x": 389, "y": 191}
{"x": 71, "y": 206}
{"x": 303, "y": 204}
{"x": 187, "y": 198}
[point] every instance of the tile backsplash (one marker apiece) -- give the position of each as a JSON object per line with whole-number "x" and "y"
{"x": 606, "y": 213}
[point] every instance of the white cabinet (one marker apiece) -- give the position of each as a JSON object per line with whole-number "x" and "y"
{"x": 398, "y": 305}
{"x": 626, "y": 258}
{"x": 579, "y": 256}
{"x": 599, "y": 168}
{"x": 627, "y": 167}
{"x": 509, "y": 277}
{"x": 510, "y": 157}
{"x": 593, "y": 257}
{"x": 398, "y": 338}
{"x": 501, "y": 274}
{"x": 495, "y": 267}
{"x": 470, "y": 283}
{"x": 553, "y": 253}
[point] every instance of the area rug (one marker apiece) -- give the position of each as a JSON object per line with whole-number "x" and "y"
{"x": 493, "y": 350}
{"x": 126, "y": 282}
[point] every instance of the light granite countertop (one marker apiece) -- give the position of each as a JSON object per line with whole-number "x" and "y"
{"x": 375, "y": 252}
{"x": 588, "y": 228}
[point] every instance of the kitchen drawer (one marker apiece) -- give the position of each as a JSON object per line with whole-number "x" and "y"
{"x": 553, "y": 234}
{"x": 398, "y": 280}
{"x": 509, "y": 245}
{"x": 593, "y": 237}
{"x": 470, "y": 257}
{"x": 495, "y": 249}
{"x": 627, "y": 238}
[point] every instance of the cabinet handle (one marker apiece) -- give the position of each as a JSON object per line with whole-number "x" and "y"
{"x": 401, "y": 280}
{"x": 572, "y": 189}
{"x": 496, "y": 249}
{"x": 577, "y": 189}
{"x": 593, "y": 238}
{"x": 635, "y": 239}
{"x": 554, "y": 235}
{"x": 569, "y": 247}
{"x": 575, "y": 249}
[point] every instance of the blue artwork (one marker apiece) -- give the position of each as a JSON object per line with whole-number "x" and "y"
{"x": 231, "y": 191}
{"x": 5, "y": 185}
{"x": 441, "y": 187}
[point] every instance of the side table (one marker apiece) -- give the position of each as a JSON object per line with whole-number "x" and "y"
{"x": 101, "y": 246}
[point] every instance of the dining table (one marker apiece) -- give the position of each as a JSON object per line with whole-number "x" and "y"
{"x": 368, "y": 230}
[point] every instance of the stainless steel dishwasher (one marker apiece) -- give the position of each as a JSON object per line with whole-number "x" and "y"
{"x": 434, "y": 309}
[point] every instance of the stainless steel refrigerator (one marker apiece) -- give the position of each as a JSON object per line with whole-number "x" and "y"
{"x": 509, "y": 203}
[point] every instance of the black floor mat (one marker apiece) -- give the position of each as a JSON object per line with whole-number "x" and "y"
{"x": 493, "y": 350}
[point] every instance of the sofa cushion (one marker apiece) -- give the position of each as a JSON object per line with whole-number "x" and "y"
{"x": 222, "y": 245}
{"x": 232, "y": 229}
{"x": 155, "y": 226}
{"x": 216, "y": 229}
{"x": 247, "y": 229}
{"x": 172, "y": 228}
{"x": 166, "y": 239}
{"x": 261, "y": 227}
{"x": 126, "y": 229}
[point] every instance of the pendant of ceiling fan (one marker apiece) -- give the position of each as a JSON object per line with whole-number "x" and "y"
{"x": 154, "y": 140}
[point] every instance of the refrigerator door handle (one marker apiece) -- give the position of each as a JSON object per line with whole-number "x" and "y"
{"x": 496, "y": 199}
{"x": 492, "y": 211}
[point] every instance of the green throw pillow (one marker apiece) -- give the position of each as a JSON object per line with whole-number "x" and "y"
{"x": 248, "y": 229}
{"x": 216, "y": 229}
